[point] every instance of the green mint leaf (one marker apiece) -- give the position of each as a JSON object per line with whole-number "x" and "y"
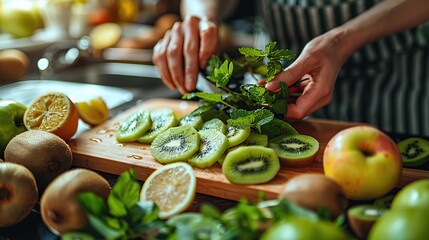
{"x": 127, "y": 189}
{"x": 279, "y": 106}
{"x": 262, "y": 117}
{"x": 210, "y": 97}
{"x": 281, "y": 54}
{"x": 210, "y": 211}
{"x": 116, "y": 207}
{"x": 222, "y": 74}
{"x": 76, "y": 236}
{"x": 238, "y": 113}
{"x": 252, "y": 55}
{"x": 270, "y": 47}
{"x": 213, "y": 63}
{"x": 103, "y": 229}
{"x": 273, "y": 68}
{"x": 189, "y": 96}
{"x": 92, "y": 203}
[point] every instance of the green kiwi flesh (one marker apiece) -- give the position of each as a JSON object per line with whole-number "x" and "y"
{"x": 256, "y": 139}
{"x": 213, "y": 145}
{"x": 175, "y": 144}
{"x": 134, "y": 126}
{"x": 414, "y": 151}
{"x": 215, "y": 123}
{"x": 195, "y": 121}
{"x": 295, "y": 150}
{"x": 250, "y": 165}
{"x": 362, "y": 217}
{"x": 236, "y": 135}
{"x": 162, "y": 120}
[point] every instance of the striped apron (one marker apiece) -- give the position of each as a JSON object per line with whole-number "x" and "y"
{"x": 385, "y": 83}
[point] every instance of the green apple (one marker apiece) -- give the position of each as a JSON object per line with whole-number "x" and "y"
{"x": 11, "y": 122}
{"x": 19, "y": 22}
{"x": 401, "y": 224}
{"x": 364, "y": 161}
{"x": 299, "y": 228}
{"x": 415, "y": 194}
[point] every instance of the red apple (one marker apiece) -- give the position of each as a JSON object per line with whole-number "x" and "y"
{"x": 364, "y": 161}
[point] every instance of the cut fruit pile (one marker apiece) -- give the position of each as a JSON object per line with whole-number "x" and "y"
{"x": 172, "y": 187}
{"x": 246, "y": 156}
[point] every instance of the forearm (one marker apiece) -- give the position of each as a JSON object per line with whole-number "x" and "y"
{"x": 214, "y": 10}
{"x": 386, "y": 18}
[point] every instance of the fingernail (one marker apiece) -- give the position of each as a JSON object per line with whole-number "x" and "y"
{"x": 189, "y": 84}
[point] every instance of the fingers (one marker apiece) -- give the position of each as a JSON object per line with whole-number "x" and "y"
{"x": 183, "y": 50}
{"x": 159, "y": 58}
{"x": 209, "y": 41}
{"x": 289, "y": 76}
{"x": 174, "y": 57}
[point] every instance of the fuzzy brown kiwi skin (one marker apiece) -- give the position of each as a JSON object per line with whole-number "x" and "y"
{"x": 18, "y": 193}
{"x": 45, "y": 154}
{"x": 59, "y": 206}
{"x": 361, "y": 225}
{"x": 315, "y": 191}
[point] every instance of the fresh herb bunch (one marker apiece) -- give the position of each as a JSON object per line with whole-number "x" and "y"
{"x": 124, "y": 216}
{"x": 249, "y": 104}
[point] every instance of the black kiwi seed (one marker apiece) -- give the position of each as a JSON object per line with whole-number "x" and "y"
{"x": 297, "y": 150}
{"x": 250, "y": 165}
{"x": 414, "y": 151}
{"x": 175, "y": 144}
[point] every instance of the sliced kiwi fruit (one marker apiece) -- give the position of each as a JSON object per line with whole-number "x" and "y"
{"x": 236, "y": 135}
{"x": 278, "y": 127}
{"x": 254, "y": 138}
{"x": 134, "y": 126}
{"x": 295, "y": 150}
{"x": 414, "y": 151}
{"x": 362, "y": 217}
{"x": 162, "y": 119}
{"x": 251, "y": 165}
{"x": 175, "y": 144}
{"x": 215, "y": 123}
{"x": 195, "y": 121}
{"x": 213, "y": 144}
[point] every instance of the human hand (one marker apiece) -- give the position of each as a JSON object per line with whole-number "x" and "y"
{"x": 320, "y": 62}
{"x": 183, "y": 50}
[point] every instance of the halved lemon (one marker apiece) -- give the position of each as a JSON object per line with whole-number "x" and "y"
{"x": 94, "y": 111}
{"x": 172, "y": 187}
{"x": 52, "y": 112}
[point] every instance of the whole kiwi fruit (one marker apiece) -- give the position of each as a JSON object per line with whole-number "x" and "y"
{"x": 45, "y": 154}
{"x": 18, "y": 193}
{"x": 315, "y": 191}
{"x": 59, "y": 205}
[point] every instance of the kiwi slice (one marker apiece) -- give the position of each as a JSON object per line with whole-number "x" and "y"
{"x": 213, "y": 144}
{"x": 258, "y": 139}
{"x": 278, "y": 127}
{"x": 195, "y": 121}
{"x": 134, "y": 126}
{"x": 236, "y": 135}
{"x": 414, "y": 151}
{"x": 362, "y": 217}
{"x": 251, "y": 165}
{"x": 162, "y": 119}
{"x": 296, "y": 150}
{"x": 215, "y": 123}
{"x": 175, "y": 144}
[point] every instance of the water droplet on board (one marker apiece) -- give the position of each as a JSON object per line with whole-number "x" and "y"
{"x": 137, "y": 157}
{"x": 119, "y": 144}
{"x": 96, "y": 140}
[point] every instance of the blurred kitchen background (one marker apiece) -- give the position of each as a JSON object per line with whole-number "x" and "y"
{"x": 128, "y": 30}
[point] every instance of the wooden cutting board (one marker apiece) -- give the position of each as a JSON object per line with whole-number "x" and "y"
{"x": 97, "y": 149}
